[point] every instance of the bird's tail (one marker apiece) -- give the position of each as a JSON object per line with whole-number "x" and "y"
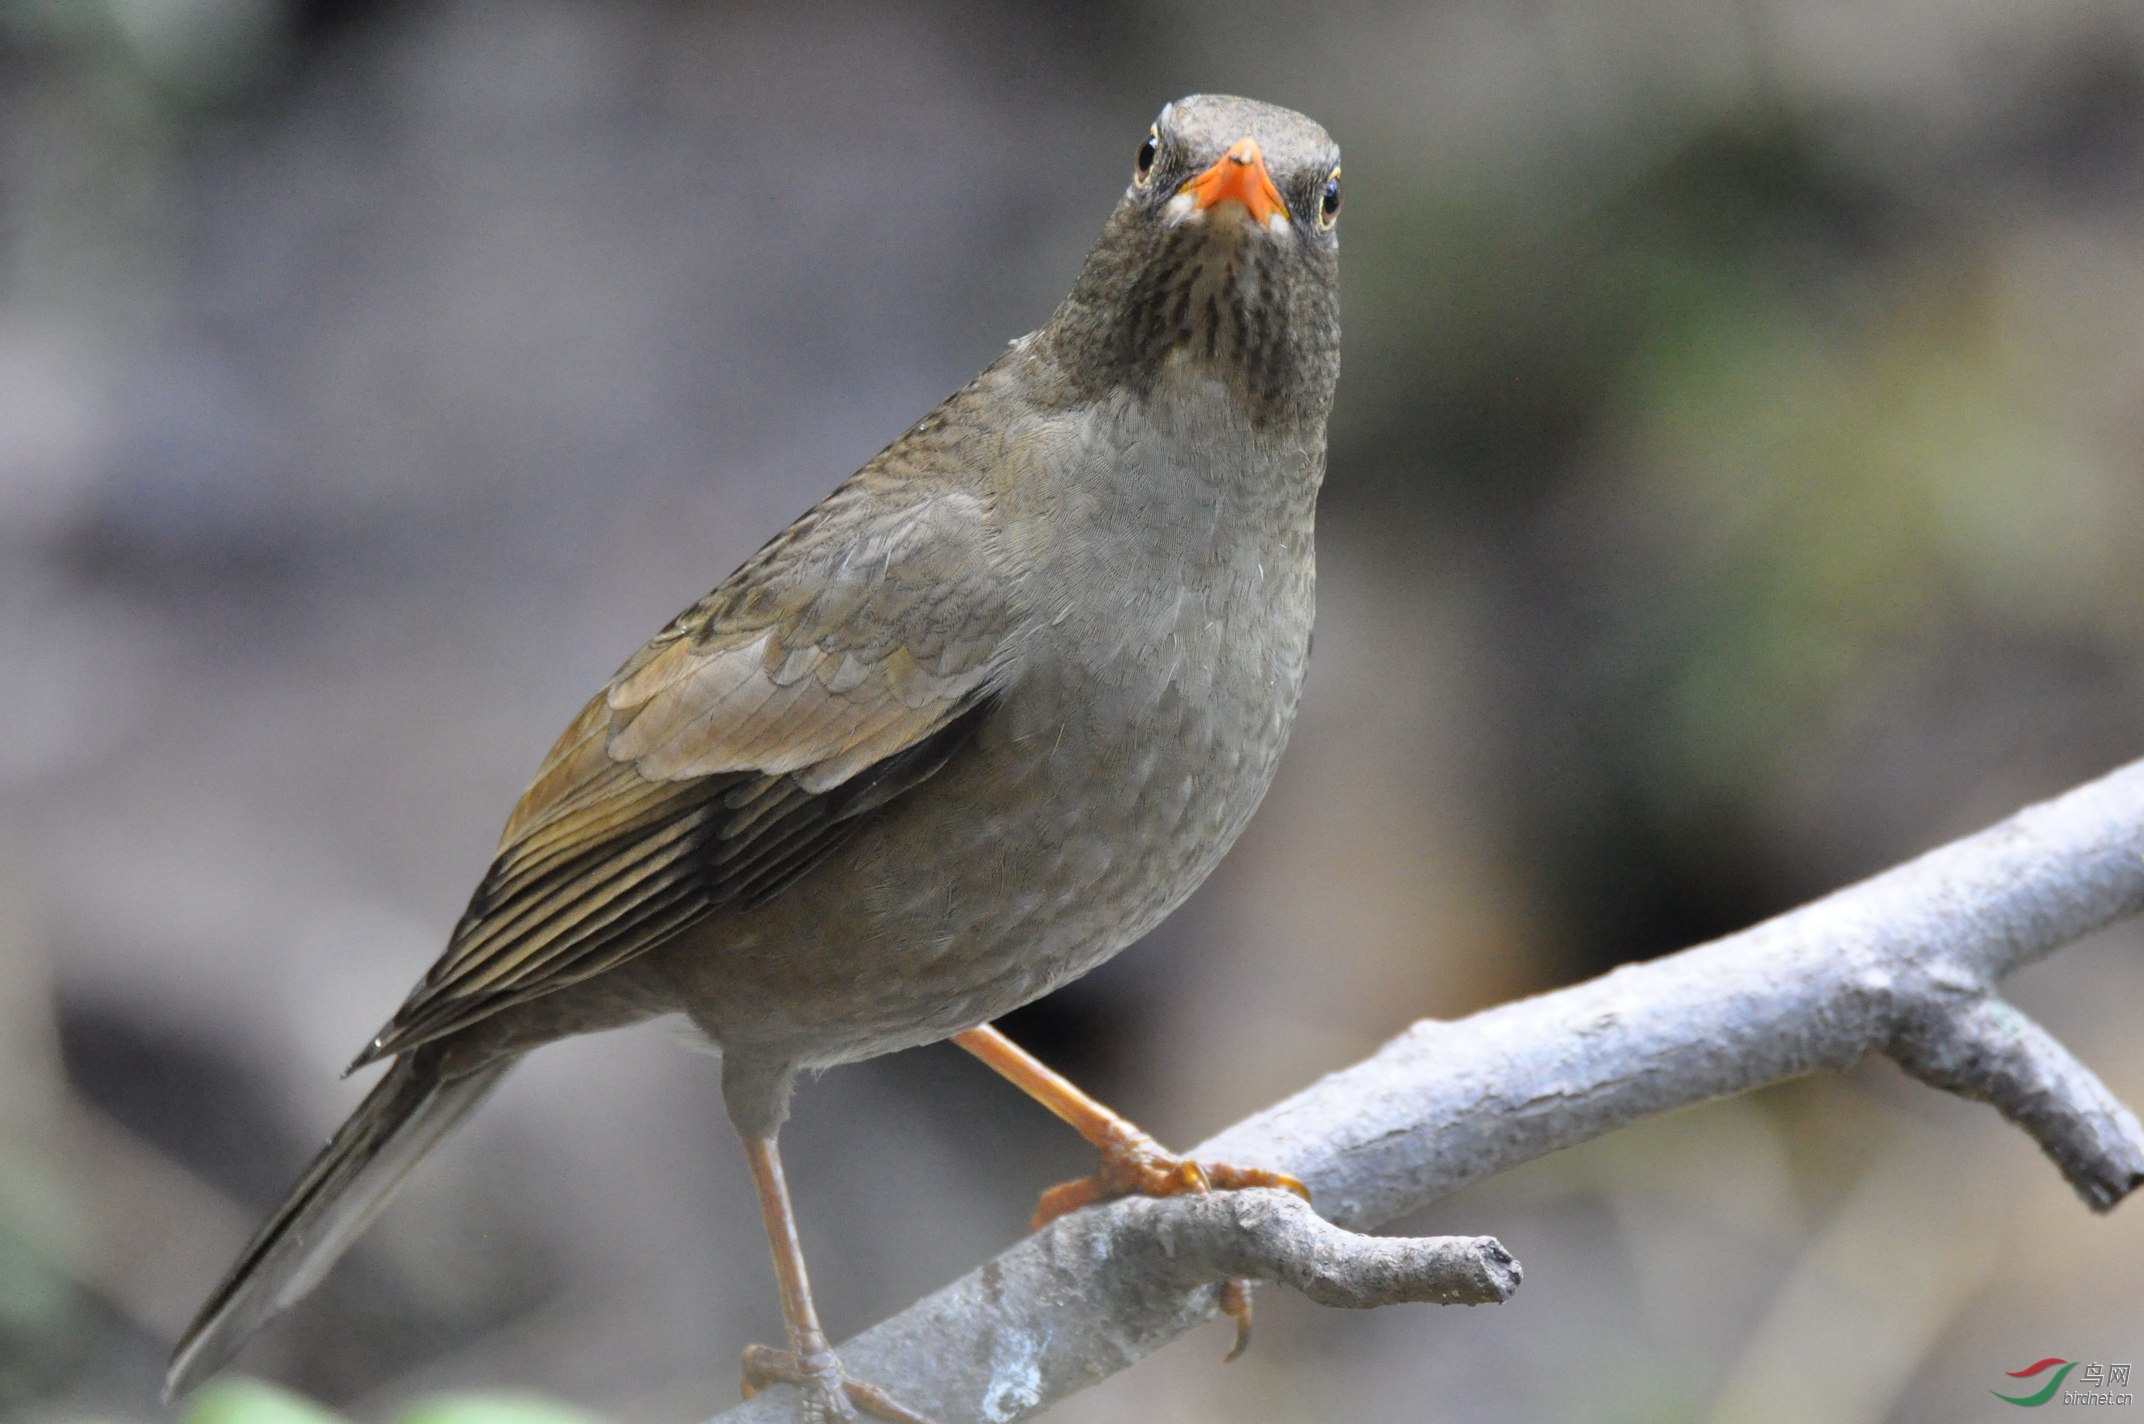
{"x": 401, "y": 1118}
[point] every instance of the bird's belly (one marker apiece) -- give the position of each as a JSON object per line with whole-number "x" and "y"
{"x": 1089, "y": 805}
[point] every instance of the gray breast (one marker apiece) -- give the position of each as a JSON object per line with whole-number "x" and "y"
{"x": 1153, "y": 692}
{"x": 1165, "y": 679}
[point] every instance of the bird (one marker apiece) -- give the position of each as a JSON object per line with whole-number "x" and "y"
{"x": 965, "y": 729}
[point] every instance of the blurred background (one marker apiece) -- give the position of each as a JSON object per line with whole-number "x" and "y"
{"x": 1737, "y": 486}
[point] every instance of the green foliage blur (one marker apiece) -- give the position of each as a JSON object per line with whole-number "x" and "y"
{"x": 235, "y": 1399}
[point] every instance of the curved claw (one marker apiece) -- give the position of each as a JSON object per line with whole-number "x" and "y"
{"x": 1236, "y": 1305}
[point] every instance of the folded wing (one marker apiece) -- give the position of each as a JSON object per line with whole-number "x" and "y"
{"x": 841, "y": 666}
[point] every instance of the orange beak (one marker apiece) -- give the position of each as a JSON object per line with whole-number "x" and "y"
{"x": 1240, "y": 176}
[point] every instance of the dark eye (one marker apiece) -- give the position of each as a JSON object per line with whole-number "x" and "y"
{"x": 1329, "y": 205}
{"x": 1144, "y": 168}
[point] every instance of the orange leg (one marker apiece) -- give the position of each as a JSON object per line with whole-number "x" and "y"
{"x": 1132, "y": 1162}
{"x": 809, "y": 1363}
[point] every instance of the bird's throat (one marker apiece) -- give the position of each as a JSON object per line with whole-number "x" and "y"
{"x": 1251, "y": 309}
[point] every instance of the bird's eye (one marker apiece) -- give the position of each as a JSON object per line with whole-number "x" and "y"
{"x": 1144, "y": 168}
{"x": 1329, "y": 205}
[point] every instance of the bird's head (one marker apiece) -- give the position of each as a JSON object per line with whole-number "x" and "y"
{"x": 1224, "y": 253}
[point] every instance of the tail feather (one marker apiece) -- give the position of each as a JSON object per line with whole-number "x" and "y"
{"x": 401, "y": 1118}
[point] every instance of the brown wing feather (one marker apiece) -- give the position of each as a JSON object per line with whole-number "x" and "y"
{"x": 842, "y": 665}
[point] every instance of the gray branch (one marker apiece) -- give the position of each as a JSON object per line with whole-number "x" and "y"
{"x": 1904, "y": 964}
{"x": 1268, "y": 1235}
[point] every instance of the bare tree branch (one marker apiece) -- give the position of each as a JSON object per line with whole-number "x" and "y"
{"x": 1904, "y": 964}
{"x": 1274, "y": 1236}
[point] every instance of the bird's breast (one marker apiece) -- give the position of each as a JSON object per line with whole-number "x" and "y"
{"x": 1164, "y": 569}
{"x": 1173, "y": 609}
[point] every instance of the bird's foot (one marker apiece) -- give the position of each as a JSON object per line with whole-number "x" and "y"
{"x": 827, "y": 1391}
{"x": 1134, "y": 1164}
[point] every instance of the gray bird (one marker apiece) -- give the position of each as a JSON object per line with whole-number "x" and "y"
{"x": 970, "y": 726}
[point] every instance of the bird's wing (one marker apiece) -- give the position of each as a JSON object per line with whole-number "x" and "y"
{"x": 843, "y": 664}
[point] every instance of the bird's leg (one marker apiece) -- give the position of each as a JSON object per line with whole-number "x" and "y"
{"x": 1132, "y": 1162}
{"x": 809, "y": 1363}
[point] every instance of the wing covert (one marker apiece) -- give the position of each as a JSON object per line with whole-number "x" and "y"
{"x": 840, "y": 666}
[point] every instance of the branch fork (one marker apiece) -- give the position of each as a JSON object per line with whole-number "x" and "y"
{"x": 1988, "y": 1050}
